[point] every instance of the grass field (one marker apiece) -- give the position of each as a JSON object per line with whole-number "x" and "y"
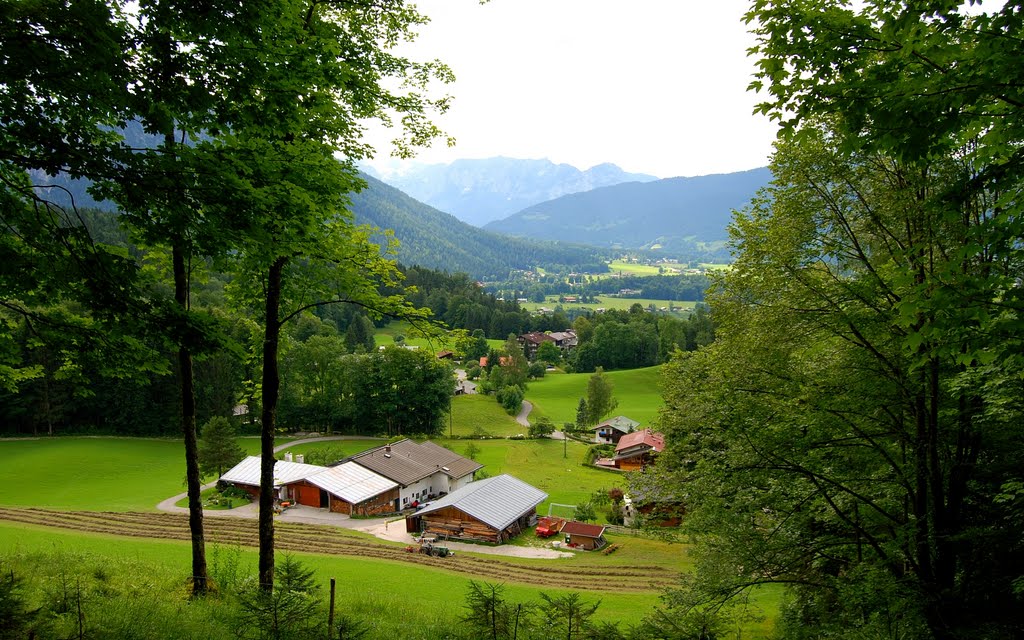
{"x": 608, "y": 302}
{"x": 631, "y": 269}
{"x": 638, "y": 392}
{"x": 119, "y": 474}
{"x": 385, "y": 336}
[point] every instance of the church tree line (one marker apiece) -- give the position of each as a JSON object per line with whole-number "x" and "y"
{"x": 855, "y": 432}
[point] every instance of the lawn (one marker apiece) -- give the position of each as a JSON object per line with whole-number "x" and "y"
{"x": 540, "y": 463}
{"x": 474, "y": 412}
{"x": 134, "y": 474}
{"x": 609, "y": 302}
{"x": 617, "y": 267}
{"x": 385, "y": 336}
{"x": 101, "y": 474}
{"x": 638, "y": 392}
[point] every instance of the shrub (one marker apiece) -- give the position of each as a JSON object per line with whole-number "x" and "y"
{"x": 511, "y": 399}
{"x": 542, "y": 428}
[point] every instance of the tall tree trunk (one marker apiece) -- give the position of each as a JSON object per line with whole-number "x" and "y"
{"x": 271, "y": 388}
{"x": 188, "y": 428}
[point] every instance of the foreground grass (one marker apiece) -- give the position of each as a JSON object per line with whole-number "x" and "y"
{"x": 426, "y": 597}
{"x": 638, "y": 392}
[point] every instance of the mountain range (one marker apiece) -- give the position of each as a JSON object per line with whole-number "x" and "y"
{"x": 435, "y": 239}
{"x": 672, "y": 215}
{"x": 481, "y": 191}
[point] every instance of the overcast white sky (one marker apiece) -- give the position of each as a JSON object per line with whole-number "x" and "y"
{"x": 654, "y": 86}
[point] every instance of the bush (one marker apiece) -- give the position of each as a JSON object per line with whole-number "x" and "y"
{"x": 542, "y": 428}
{"x": 511, "y": 399}
{"x": 536, "y": 370}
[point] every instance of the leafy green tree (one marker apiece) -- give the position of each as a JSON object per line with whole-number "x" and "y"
{"x": 542, "y": 427}
{"x": 218, "y": 449}
{"x": 477, "y": 346}
{"x": 600, "y": 401}
{"x": 511, "y": 399}
{"x": 407, "y": 391}
{"x": 851, "y": 427}
{"x": 359, "y": 335}
{"x": 585, "y": 512}
{"x": 548, "y": 352}
{"x": 300, "y": 248}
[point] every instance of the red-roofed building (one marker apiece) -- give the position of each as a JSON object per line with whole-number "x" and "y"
{"x": 637, "y": 450}
{"x": 583, "y": 535}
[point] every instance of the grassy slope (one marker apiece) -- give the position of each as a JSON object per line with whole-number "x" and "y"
{"x": 638, "y": 391}
{"x": 386, "y": 336}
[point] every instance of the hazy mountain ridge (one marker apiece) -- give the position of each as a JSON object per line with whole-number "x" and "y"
{"x": 480, "y": 191}
{"x": 675, "y": 213}
{"x": 435, "y": 239}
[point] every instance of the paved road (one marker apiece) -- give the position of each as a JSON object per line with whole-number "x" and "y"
{"x": 525, "y": 411}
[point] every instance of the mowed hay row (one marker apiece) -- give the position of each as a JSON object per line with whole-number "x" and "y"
{"x": 328, "y": 540}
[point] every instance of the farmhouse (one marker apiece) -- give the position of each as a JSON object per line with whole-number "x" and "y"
{"x": 611, "y": 430}
{"x": 491, "y": 510}
{"x": 637, "y": 450}
{"x": 421, "y": 470}
{"x": 583, "y": 535}
{"x": 347, "y": 489}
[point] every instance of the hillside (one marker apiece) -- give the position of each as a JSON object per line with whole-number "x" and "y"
{"x": 480, "y": 191}
{"x": 437, "y": 240}
{"x": 677, "y": 214}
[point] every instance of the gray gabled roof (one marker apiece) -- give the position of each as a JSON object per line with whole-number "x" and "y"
{"x": 407, "y": 462}
{"x": 497, "y": 501}
{"x": 619, "y": 423}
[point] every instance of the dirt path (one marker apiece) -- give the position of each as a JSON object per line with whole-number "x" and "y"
{"x": 309, "y": 538}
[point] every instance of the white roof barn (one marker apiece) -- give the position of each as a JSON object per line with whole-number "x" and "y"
{"x": 248, "y": 472}
{"x": 351, "y": 482}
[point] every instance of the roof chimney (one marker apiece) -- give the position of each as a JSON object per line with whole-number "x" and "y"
{"x": 300, "y": 458}
{"x": 287, "y": 456}
{"x": 387, "y": 448}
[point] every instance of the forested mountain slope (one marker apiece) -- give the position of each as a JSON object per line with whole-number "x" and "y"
{"x": 675, "y": 213}
{"x": 479, "y": 191}
{"x": 437, "y": 240}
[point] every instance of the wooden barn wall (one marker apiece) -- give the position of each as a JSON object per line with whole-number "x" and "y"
{"x": 452, "y": 523}
{"x": 379, "y": 504}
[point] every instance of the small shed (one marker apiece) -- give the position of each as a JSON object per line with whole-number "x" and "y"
{"x": 583, "y": 535}
{"x": 491, "y": 510}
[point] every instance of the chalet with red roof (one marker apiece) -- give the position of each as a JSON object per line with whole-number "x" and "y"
{"x": 583, "y": 536}
{"x": 638, "y": 449}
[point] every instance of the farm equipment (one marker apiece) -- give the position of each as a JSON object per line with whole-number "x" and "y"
{"x": 429, "y": 546}
{"x": 549, "y": 526}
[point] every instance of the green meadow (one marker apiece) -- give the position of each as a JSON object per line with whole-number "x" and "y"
{"x": 638, "y": 392}
{"x": 609, "y": 302}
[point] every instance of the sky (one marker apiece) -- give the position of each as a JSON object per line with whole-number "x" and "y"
{"x": 653, "y": 86}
